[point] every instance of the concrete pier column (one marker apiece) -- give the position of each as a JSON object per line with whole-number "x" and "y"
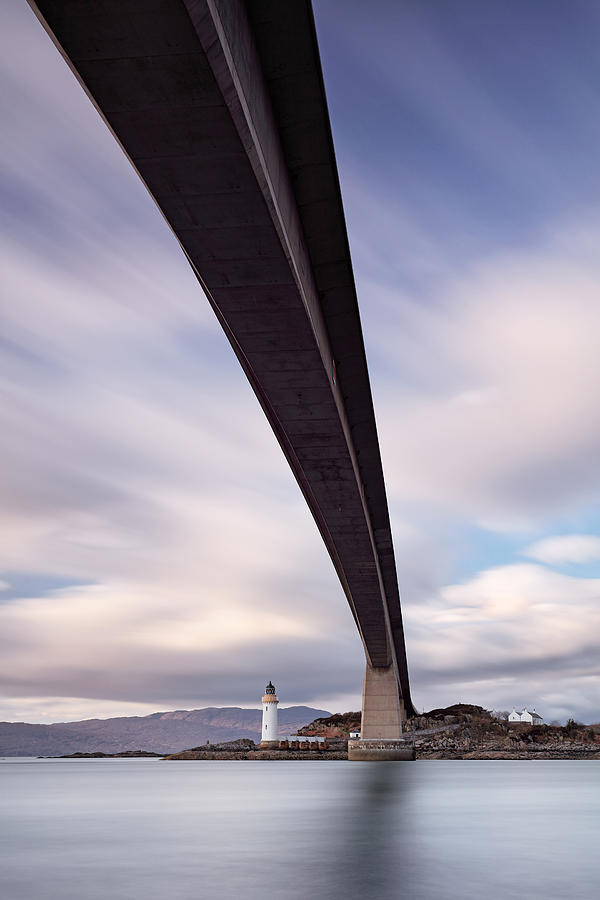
{"x": 381, "y": 737}
{"x": 381, "y": 705}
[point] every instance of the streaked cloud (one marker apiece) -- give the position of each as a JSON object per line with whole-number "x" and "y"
{"x": 156, "y": 551}
{"x": 565, "y": 548}
{"x": 518, "y": 634}
{"x": 488, "y": 403}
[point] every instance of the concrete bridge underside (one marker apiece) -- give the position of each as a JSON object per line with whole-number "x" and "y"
{"x": 220, "y": 107}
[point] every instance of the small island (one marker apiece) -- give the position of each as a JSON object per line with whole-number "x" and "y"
{"x": 124, "y": 754}
{"x": 247, "y": 749}
{"x": 460, "y": 731}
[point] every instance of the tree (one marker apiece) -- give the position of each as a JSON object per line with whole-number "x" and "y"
{"x": 572, "y": 725}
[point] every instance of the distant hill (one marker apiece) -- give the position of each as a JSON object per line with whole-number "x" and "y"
{"x": 161, "y": 732}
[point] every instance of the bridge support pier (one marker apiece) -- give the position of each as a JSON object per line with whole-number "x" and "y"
{"x": 381, "y": 704}
{"x": 382, "y": 716}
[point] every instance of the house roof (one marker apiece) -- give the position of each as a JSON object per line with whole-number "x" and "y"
{"x": 525, "y": 711}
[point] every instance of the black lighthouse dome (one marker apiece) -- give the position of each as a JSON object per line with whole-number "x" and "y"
{"x": 270, "y": 688}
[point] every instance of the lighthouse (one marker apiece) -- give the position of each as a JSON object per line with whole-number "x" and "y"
{"x": 270, "y": 730}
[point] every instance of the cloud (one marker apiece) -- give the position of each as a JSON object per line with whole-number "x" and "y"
{"x": 566, "y": 548}
{"x": 144, "y": 644}
{"x": 486, "y": 405}
{"x": 510, "y": 634}
{"x": 135, "y": 463}
{"x": 139, "y": 475}
{"x": 67, "y": 709}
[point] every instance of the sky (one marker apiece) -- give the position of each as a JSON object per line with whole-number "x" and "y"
{"x": 155, "y": 550}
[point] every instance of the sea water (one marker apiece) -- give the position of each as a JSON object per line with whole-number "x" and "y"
{"x": 143, "y": 829}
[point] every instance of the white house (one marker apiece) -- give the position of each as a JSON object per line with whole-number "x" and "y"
{"x": 529, "y": 718}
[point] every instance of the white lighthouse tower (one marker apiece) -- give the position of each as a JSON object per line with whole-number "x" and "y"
{"x": 270, "y": 730}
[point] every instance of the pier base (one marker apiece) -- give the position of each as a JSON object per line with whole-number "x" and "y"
{"x": 381, "y": 750}
{"x": 381, "y": 721}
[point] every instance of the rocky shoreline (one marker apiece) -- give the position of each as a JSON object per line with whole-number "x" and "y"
{"x": 471, "y": 732}
{"x": 501, "y": 754}
{"x": 464, "y": 731}
{"x": 270, "y": 755}
{"x": 247, "y": 749}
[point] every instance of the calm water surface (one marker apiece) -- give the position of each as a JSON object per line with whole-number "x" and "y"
{"x": 129, "y": 829}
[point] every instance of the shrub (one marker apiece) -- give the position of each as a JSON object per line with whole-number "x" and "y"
{"x": 572, "y": 725}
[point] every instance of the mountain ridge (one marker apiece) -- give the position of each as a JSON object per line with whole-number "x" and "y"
{"x": 163, "y": 732}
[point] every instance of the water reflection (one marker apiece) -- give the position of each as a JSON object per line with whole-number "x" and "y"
{"x": 133, "y": 829}
{"x": 367, "y": 860}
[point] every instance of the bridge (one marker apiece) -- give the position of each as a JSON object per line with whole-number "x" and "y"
{"x": 221, "y": 109}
